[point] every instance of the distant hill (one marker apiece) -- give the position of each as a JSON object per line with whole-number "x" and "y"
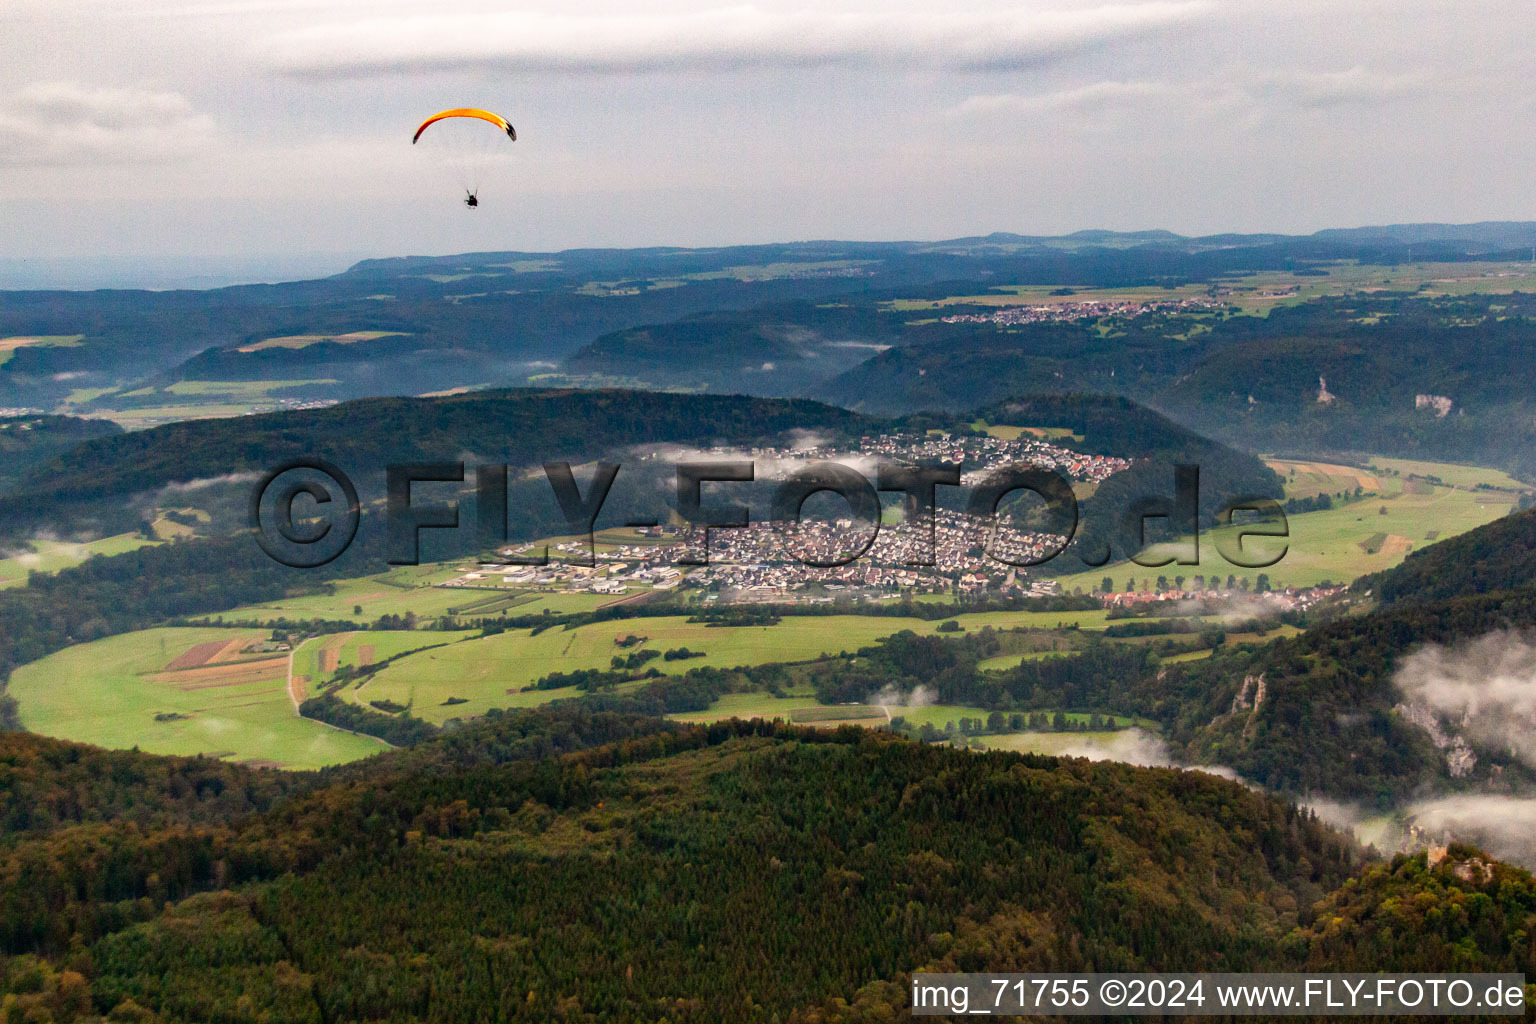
{"x": 1447, "y": 379}
{"x": 1326, "y": 723}
{"x": 782, "y": 350}
{"x": 29, "y": 441}
{"x": 486, "y": 319}
{"x": 1492, "y": 234}
{"x": 528, "y": 427}
{"x": 515, "y": 427}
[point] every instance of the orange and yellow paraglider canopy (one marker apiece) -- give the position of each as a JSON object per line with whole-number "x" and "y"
{"x": 483, "y": 115}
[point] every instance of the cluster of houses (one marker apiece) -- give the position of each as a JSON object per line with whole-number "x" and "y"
{"x": 1287, "y": 599}
{"x": 981, "y": 455}
{"x": 563, "y": 574}
{"x": 1066, "y": 311}
{"x": 783, "y": 557}
{"x": 947, "y": 551}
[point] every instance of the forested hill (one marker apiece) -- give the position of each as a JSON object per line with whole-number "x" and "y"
{"x": 48, "y": 784}
{"x": 1326, "y": 720}
{"x": 1498, "y": 556}
{"x": 739, "y": 871}
{"x": 523, "y": 427}
{"x": 782, "y": 349}
{"x": 27, "y": 441}
{"x": 519, "y": 427}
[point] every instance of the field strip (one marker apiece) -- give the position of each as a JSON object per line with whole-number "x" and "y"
{"x": 293, "y": 694}
{"x": 229, "y": 650}
{"x": 296, "y": 695}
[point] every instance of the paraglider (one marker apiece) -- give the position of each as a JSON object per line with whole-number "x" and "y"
{"x": 467, "y": 139}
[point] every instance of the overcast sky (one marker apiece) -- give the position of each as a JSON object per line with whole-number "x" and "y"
{"x": 248, "y": 127}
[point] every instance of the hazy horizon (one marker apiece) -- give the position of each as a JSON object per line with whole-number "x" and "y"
{"x": 171, "y": 271}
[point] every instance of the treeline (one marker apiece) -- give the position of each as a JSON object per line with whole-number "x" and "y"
{"x": 48, "y": 784}
{"x": 966, "y": 727}
{"x": 398, "y": 730}
{"x": 1099, "y": 678}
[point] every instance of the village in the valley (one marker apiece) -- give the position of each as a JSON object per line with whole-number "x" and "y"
{"x": 944, "y": 552}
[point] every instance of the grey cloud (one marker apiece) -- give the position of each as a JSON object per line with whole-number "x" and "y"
{"x": 1306, "y": 90}
{"x": 713, "y": 41}
{"x": 57, "y": 123}
{"x": 1353, "y": 86}
{"x": 1094, "y": 96}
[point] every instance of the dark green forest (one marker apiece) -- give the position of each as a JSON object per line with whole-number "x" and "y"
{"x": 560, "y": 865}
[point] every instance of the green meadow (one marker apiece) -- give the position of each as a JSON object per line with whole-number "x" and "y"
{"x": 415, "y": 589}
{"x": 1064, "y": 744}
{"x": 349, "y": 648}
{"x": 483, "y": 671}
{"x": 110, "y": 691}
{"x": 1350, "y": 540}
{"x": 49, "y": 556}
{"x": 940, "y": 716}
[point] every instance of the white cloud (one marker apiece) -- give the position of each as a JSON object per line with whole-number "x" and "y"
{"x": 60, "y": 123}
{"x": 1505, "y": 826}
{"x": 1356, "y": 85}
{"x": 1094, "y": 96}
{"x": 1485, "y": 690}
{"x": 723, "y": 39}
{"x": 1263, "y": 93}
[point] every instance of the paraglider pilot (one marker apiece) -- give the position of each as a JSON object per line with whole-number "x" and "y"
{"x": 471, "y": 200}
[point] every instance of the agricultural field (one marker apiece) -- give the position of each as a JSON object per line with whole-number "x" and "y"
{"x": 1310, "y": 479}
{"x": 1351, "y": 539}
{"x": 414, "y": 589}
{"x": 317, "y": 659}
{"x": 751, "y": 273}
{"x": 1005, "y": 432}
{"x": 159, "y": 415}
{"x": 1257, "y": 294}
{"x": 1040, "y": 295}
{"x": 750, "y": 705}
{"x": 1451, "y": 474}
{"x": 1136, "y": 746}
{"x": 9, "y": 346}
{"x": 804, "y": 710}
{"x": 486, "y": 672}
{"x": 296, "y": 341}
{"x": 179, "y": 691}
{"x": 49, "y": 556}
{"x": 151, "y": 406}
{"x": 250, "y": 390}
